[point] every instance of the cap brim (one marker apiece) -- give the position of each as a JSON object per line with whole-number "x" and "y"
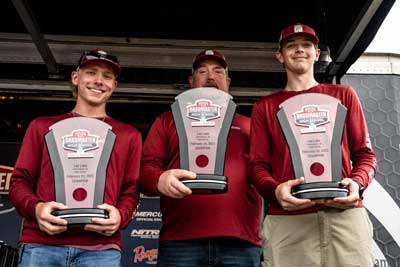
{"x": 117, "y": 69}
{"x": 313, "y": 38}
{"x": 220, "y": 60}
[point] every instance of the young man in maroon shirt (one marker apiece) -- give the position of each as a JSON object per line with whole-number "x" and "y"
{"x": 46, "y": 240}
{"x": 199, "y": 230}
{"x": 304, "y": 232}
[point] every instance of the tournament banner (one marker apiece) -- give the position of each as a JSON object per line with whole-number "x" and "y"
{"x": 10, "y": 221}
{"x": 140, "y": 238}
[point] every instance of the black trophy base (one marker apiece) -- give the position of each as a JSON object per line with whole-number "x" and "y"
{"x": 207, "y": 184}
{"x": 320, "y": 190}
{"x": 80, "y": 216}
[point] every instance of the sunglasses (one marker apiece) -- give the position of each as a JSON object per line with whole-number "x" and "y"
{"x": 88, "y": 55}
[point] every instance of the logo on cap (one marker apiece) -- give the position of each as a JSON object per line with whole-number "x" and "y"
{"x": 298, "y": 28}
{"x": 102, "y": 52}
{"x": 209, "y": 54}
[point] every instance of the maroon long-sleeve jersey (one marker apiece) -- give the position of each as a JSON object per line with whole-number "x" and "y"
{"x": 270, "y": 162}
{"x": 235, "y": 213}
{"x": 33, "y": 181}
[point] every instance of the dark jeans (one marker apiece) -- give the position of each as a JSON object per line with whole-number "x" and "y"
{"x": 208, "y": 252}
{"x": 57, "y": 256}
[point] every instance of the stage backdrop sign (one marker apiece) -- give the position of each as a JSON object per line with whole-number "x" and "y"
{"x": 140, "y": 239}
{"x": 10, "y": 222}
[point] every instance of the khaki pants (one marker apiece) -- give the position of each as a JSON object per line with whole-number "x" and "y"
{"x": 327, "y": 238}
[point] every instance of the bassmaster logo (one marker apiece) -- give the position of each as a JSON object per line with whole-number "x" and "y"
{"x": 5, "y": 179}
{"x": 80, "y": 141}
{"x": 140, "y": 254}
{"x": 203, "y": 110}
{"x": 311, "y": 116}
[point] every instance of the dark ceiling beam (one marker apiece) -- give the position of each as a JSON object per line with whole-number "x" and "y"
{"x": 359, "y": 28}
{"x": 33, "y": 28}
{"x": 124, "y": 93}
{"x": 140, "y": 52}
{"x": 353, "y": 38}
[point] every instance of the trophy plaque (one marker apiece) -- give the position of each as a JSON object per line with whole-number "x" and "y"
{"x": 312, "y": 124}
{"x": 79, "y": 150}
{"x": 203, "y": 118}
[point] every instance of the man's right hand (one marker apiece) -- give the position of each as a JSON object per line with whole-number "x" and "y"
{"x": 287, "y": 200}
{"x": 47, "y": 222}
{"x": 169, "y": 184}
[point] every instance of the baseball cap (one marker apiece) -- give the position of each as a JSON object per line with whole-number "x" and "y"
{"x": 209, "y": 54}
{"x": 298, "y": 29}
{"x": 99, "y": 55}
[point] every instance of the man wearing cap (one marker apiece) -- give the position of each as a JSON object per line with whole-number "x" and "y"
{"x": 304, "y": 232}
{"x": 46, "y": 240}
{"x": 203, "y": 230}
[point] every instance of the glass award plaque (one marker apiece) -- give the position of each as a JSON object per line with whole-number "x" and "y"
{"x": 79, "y": 150}
{"x": 313, "y": 126}
{"x": 203, "y": 118}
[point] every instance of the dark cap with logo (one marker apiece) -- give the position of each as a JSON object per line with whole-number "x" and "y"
{"x": 102, "y": 56}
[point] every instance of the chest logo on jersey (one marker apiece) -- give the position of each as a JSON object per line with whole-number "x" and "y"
{"x": 80, "y": 141}
{"x": 203, "y": 110}
{"x": 311, "y": 116}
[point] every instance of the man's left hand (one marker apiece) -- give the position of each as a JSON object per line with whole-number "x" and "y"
{"x": 108, "y": 226}
{"x": 349, "y": 201}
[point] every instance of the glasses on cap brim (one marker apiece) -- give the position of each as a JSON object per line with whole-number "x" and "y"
{"x": 87, "y": 55}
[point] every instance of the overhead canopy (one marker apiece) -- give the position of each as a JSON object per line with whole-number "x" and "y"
{"x": 156, "y": 40}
